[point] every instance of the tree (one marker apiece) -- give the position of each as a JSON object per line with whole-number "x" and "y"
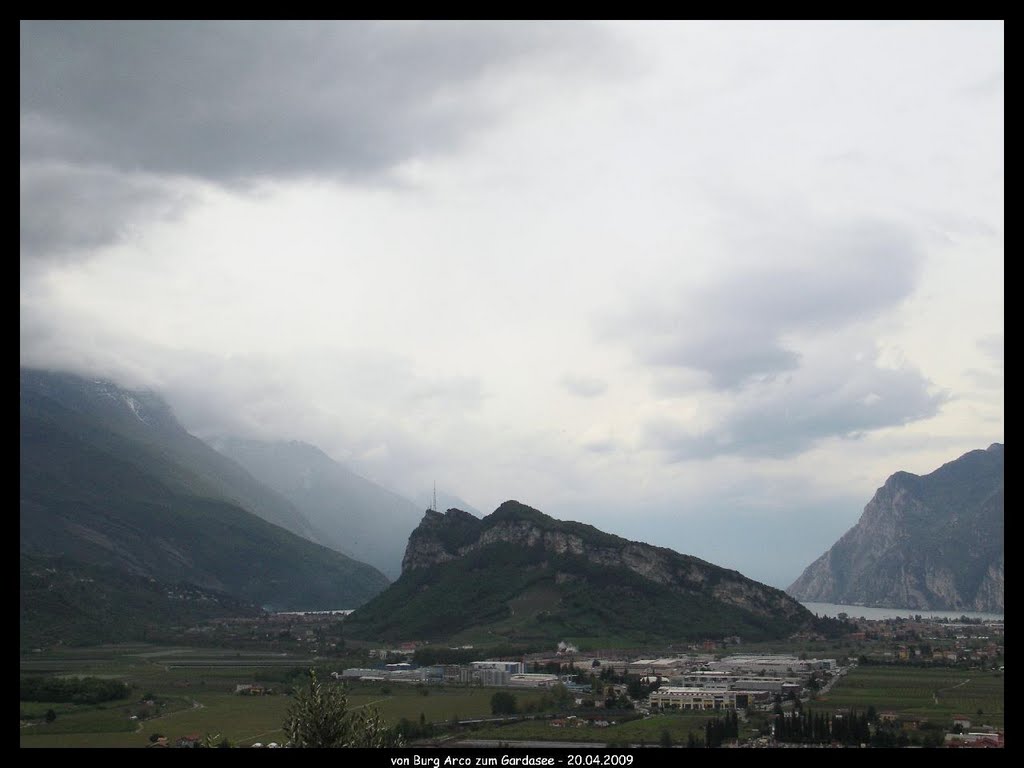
{"x": 503, "y": 703}
{"x": 319, "y": 717}
{"x": 561, "y": 696}
{"x": 812, "y": 683}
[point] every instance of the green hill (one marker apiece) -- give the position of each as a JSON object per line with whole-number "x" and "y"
{"x": 81, "y": 604}
{"x": 520, "y": 576}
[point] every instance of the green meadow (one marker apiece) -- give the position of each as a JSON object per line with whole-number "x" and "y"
{"x": 935, "y": 694}
{"x": 678, "y": 725}
{"x": 194, "y": 691}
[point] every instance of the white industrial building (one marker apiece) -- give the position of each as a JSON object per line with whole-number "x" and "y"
{"x": 705, "y": 698}
{"x": 775, "y": 664}
{"x": 737, "y": 681}
{"x": 533, "y": 680}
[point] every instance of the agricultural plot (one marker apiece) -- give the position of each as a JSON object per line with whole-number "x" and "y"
{"x": 240, "y": 719}
{"x": 649, "y": 730}
{"x": 196, "y": 688}
{"x": 935, "y": 694}
{"x": 440, "y": 705}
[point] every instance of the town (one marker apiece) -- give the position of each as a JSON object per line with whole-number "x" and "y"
{"x": 597, "y": 689}
{"x": 908, "y": 682}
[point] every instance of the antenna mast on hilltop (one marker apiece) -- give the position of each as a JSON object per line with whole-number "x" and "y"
{"x": 435, "y": 497}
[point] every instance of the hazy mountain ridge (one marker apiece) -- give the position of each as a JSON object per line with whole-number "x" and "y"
{"x": 346, "y": 512}
{"x": 933, "y": 542}
{"x": 107, "y": 484}
{"x": 522, "y": 575}
{"x": 144, "y": 418}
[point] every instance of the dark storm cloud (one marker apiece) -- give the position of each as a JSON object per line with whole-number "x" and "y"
{"x": 804, "y": 282}
{"x": 788, "y": 417}
{"x": 65, "y": 209}
{"x": 235, "y": 100}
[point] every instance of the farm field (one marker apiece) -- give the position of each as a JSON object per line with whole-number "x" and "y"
{"x": 196, "y": 690}
{"x": 193, "y": 694}
{"x": 679, "y": 726}
{"x": 936, "y": 694}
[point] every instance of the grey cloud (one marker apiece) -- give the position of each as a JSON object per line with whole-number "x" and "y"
{"x": 947, "y": 222}
{"x": 211, "y": 393}
{"x": 329, "y": 400}
{"x": 986, "y": 87}
{"x": 790, "y": 417}
{"x": 235, "y": 100}
{"x": 584, "y": 386}
{"x": 993, "y": 346}
{"x": 121, "y": 105}
{"x": 735, "y": 328}
{"x": 855, "y": 157}
{"x": 241, "y": 393}
{"x": 986, "y": 379}
{"x": 65, "y": 209}
{"x": 993, "y": 378}
{"x": 730, "y": 359}
{"x": 454, "y": 393}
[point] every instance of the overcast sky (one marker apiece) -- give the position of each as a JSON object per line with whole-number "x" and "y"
{"x": 705, "y": 285}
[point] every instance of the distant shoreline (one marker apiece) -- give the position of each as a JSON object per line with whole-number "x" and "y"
{"x": 869, "y": 612}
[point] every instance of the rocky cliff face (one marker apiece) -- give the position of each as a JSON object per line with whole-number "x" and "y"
{"x": 522, "y": 578}
{"x": 933, "y": 543}
{"x": 456, "y": 534}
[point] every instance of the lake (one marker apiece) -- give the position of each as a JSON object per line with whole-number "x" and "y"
{"x": 865, "y": 612}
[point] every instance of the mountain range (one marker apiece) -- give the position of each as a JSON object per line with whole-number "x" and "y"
{"x": 110, "y": 480}
{"x": 128, "y": 521}
{"x": 931, "y": 542}
{"x": 344, "y": 511}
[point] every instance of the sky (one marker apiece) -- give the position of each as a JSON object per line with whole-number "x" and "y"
{"x": 700, "y": 284}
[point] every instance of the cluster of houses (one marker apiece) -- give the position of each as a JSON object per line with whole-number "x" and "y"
{"x": 982, "y": 739}
{"x": 933, "y": 641}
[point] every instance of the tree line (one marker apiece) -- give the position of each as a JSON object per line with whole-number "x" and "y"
{"x": 76, "y": 690}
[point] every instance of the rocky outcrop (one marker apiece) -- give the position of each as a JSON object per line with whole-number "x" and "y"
{"x": 522, "y": 578}
{"x": 457, "y": 534}
{"x": 932, "y": 542}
